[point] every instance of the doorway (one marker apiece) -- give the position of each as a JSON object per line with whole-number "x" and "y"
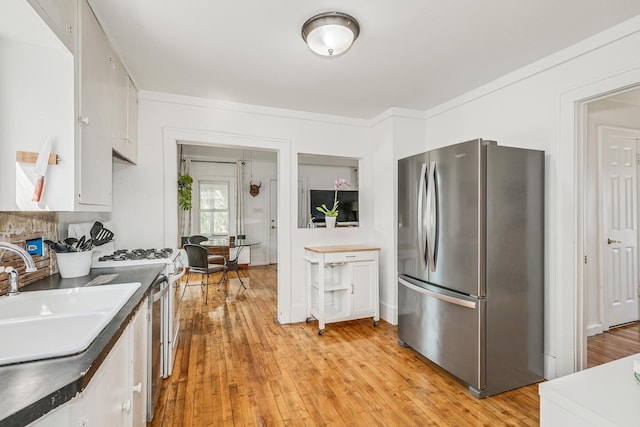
{"x": 611, "y": 199}
{"x": 241, "y": 212}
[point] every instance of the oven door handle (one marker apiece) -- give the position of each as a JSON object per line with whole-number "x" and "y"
{"x": 177, "y": 276}
{"x": 163, "y": 289}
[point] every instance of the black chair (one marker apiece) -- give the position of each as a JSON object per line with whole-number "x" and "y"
{"x": 199, "y": 264}
{"x": 196, "y": 239}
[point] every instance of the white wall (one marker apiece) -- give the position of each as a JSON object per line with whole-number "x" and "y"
{"x": 397, "y": 134}
{"x": 145, "y": 200}
{"x": 610, "y": 113}
{"x": 535, "y": 107}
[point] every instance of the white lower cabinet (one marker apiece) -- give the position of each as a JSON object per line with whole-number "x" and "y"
{"x": 342, "y": 284}
{"x": 116, "y": 395}
{"x": 139, "y": 341}
{"x": 107, "y": 399}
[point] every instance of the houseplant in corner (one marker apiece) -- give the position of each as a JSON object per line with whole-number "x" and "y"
{"x": 330, "y": 215}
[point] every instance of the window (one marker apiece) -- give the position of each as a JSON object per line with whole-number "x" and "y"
{"x": 214, "y": 207}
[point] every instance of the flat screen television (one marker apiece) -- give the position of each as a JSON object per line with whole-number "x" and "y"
{"x": 347, "y": 205}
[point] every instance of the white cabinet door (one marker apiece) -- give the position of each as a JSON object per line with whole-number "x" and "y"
{"x": 118, "y": 111}
{"x": 132, "y": 122}
{"x": 107, "y": 399}
{"x": 124, "y": 115}
{"x": 60, "y": 16}
{"x": 362, "y": 295}
{"x": 95, "y": 66}
{"x": 139, "y": 345}
{"x": 62, "y": 416}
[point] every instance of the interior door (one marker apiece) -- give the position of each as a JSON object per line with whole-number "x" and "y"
{"x": 618, "y": 151}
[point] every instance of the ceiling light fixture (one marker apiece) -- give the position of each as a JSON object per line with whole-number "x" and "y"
{"x": 330, "y": 33}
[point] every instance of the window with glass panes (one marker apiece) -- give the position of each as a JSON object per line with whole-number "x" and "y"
{"x": 214, "y": 207}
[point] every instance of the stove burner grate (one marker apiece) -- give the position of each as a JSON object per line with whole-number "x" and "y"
{"x": 137, "y": 254}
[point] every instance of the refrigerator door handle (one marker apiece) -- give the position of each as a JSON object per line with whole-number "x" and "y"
{"x": 421, "y": 238}
{"x": 441, "y": 297}
{"x": 431, "y": 233}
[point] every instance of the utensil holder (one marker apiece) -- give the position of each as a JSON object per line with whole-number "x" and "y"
{"x": 74, "y": 264}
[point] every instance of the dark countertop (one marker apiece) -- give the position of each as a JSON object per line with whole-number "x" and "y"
{"x": 31, "y": 389}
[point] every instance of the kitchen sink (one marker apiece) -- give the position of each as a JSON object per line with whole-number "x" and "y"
{"x": 43, "y": 324}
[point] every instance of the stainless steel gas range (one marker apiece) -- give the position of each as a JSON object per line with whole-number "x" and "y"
{"x": 175, "y": 263}
{"x": 164, "y": 319}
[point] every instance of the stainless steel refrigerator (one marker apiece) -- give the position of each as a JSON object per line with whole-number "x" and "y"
{"x": 471, "y": 262}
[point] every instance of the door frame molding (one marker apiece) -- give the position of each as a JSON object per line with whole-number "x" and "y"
{"x": 271, "y": 178}
{"x": 172, "y": 137}
{"x": 570, "y": 342}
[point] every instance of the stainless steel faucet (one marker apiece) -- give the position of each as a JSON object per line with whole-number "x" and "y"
{"x": 13, "y": 273}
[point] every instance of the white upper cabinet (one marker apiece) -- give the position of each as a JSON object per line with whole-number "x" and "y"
{"x": 125, "y": 115}
{"x": 120, "y": 83}
{"x": 95, "y": 68}
{"x": 132, "y": 122}
{"x": 60, "y": 15}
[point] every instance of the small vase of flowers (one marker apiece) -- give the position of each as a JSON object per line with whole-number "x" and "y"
{"x": 330, "y": 215}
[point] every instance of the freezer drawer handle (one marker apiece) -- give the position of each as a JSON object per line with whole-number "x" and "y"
{"x": 441, "y": 297}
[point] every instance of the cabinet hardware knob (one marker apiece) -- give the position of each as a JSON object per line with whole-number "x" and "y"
{"x": 610, "y": 241}
{"x": 137, "y": 388}
{"x": 126, "y": 406}
{"x": 84, "y": 120}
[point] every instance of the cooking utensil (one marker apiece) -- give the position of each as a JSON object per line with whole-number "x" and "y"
{"x": 88, "y": 245}
{"x": 51, "y": 244}
{"x": 103, "y": 237}
{"x": 41, "y": 169}
{"x": 97, "y": 226}
{"x": 99, "y": 234}
{"x": 80, "y": 243}
{"x": 61, "y": 247}
{"x": 70, "y": 240}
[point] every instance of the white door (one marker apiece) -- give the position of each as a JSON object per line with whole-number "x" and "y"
{"x": 273, "y": 221}
{"x": 618, "y": 150}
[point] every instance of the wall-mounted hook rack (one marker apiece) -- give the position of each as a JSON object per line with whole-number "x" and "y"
{"x": 31, "y": 157}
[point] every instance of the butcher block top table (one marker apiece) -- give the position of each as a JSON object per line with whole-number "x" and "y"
{"x": 340, "y": 248}
{"x": 342, "y": 283}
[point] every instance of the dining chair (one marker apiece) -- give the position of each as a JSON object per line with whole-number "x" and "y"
{"x": 230, "y": 264}
{"x": 196, "y": 239}
{"x": 197, "y": 257}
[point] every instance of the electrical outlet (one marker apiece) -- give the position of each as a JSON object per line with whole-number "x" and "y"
{"x": 35, "y": 246}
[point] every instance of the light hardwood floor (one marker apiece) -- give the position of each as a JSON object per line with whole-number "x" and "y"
{"x": 613, "y": 345}
{"x": 237, "y": 366}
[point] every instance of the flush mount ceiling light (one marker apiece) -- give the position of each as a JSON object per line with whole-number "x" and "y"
{"x": 330, "y": 33}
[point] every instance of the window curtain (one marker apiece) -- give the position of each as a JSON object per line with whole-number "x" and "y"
{"x": 240, "y": 197}
{"x": 184, "y": 217}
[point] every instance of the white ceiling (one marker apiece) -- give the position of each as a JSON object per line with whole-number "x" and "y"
{"x": 410, "y": 53}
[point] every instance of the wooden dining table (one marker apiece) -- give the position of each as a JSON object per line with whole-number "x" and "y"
{"x": 224, "y": 244}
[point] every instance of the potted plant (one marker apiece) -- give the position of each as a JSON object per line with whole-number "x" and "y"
{"x": 184, "y": 191}
{"x": 330, "y": 215}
